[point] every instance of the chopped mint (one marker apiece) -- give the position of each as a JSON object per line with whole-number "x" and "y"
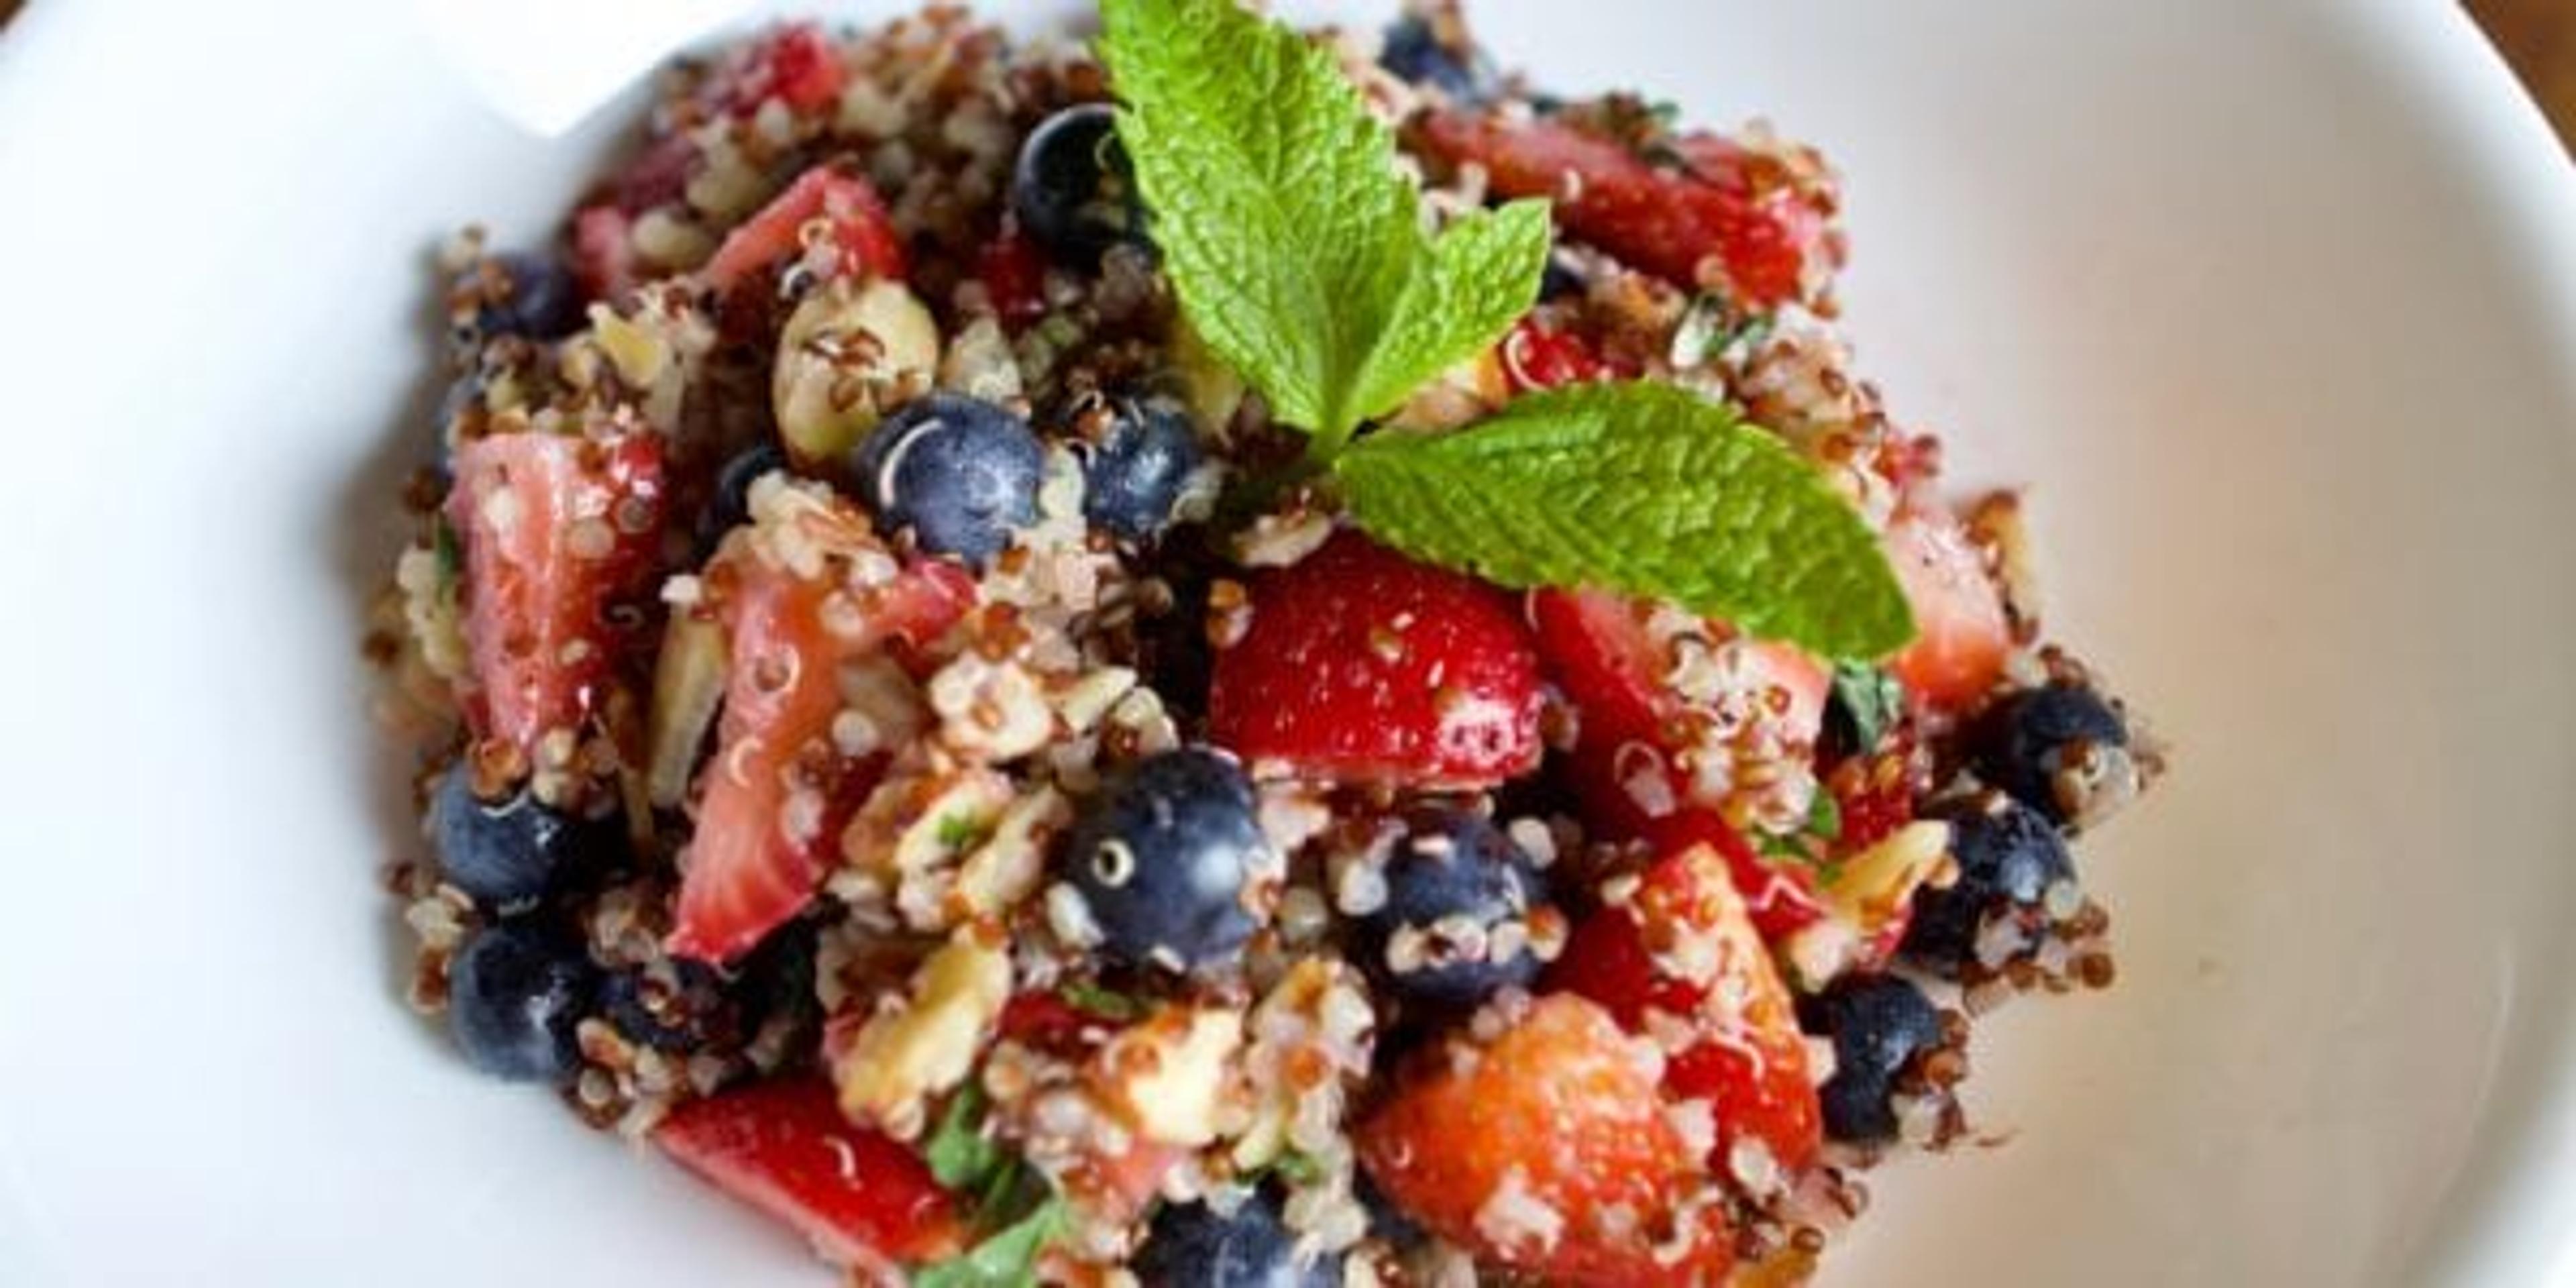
{"x": 960, "y": 1154}
{"x": 1091, "y": 999}
{"x": 1869, "y": 699}
{"x": 1006, "y": 1259}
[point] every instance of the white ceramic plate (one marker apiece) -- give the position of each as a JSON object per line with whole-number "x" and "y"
{"x": 2276, "y": 302}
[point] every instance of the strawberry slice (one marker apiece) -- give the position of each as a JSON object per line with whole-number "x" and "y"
{"x": 556, "y": 530}
{"x": 1961, "y": 633}
{"x": 1363, "y": 666}
{"x": 795, "y": 63}
{"x": 864, "y": 1199}
{"x": 1692, "y": 229}
{"x": 1604, "y": 656}
{"x": 860, "y": 229}
{"x": 1546, "y": 1150}
{"x": 1013, "y": 271}
{"x": 1684, "y": 946}
{"x": 1538, "y": 356}
{"x": 777, "y": 793}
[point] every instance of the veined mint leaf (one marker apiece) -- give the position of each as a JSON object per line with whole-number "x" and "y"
{"x": 1642, "y": 488}
{"x": 1479, "y": 277}
{"x": 1294, "y": 243}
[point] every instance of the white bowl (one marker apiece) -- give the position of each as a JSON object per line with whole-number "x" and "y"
{"x": 2276, "y": 303}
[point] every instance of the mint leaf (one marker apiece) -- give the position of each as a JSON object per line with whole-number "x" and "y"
{"x": 1091, "y": 999}
{"x": 1825, "y": 817}
{"x": 1868, "y": 700}
{"x": 1007, "y": 1259}
{"x": 1642, "y": 488}
{"x": 960, "y": 1155}
{"x": 1294, "y": 243}
{"x": 1481, "y": 276}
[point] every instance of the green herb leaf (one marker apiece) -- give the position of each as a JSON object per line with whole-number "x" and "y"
{"x": 450, "y": 551}
{"x": 1091, "y": 999}
{"x": 1007, "y": 1259}
{"x": 1868, "y": 697}
{"x": 1825, "y": 817}
{"x": 960, "y": 1155}
{"x": 1294, "y": 243}
{"x": 1642, "y": 488}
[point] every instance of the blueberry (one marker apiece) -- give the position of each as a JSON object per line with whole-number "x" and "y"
{"x": 1559, "y": 280}
{"x": 1450, "y": 884}
{"x": 1414, "y": 52}
{"x": 1073, "y": 189}
{"x": 959, "y": 472}
{"x": 777, "y": 978}
{"x": 1879, "y": 1024}
{"x": 1192, "y": 1245}
{"x": 514, "y": 994}
{"x": 1387, "y": 1221}
{"x": 2025, "y": 740}
{"x": 1134, "y": 471}
{"x": 676, "y": 1009}
{"x": 1161, "y": 858}
{"x": 524, "y": 294}
{"x": 2008, "y": 855}
{"x": 512, "y": 851}
{"x": 730, "y": 505}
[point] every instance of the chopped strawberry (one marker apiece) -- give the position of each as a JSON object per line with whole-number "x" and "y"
{"x": 1546, "y": 1150}
{"x": 1605, "y": 658}
{"x": 1961, "y": 633}
{"x": 1013, "y": 271}
{"x": 1360, "y": 665}
{"x": 777, "y": 793}
{"x": 860, "y": 228}
{"x": 1668, "y": 222}
{"x": 556, "y": 531}
{"x": 603, "y": 252}
{"x": 1780, "y": 894}
{"x": 864, "y": 1199}
{"x": 1684, "y": 945}
{"x": 1538, "y": 356}
{"x": 796, "y": 64}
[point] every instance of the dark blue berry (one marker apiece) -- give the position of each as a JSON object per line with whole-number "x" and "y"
{"x": 1387, "y": 1221}
{"x": 1879, "y": 1024}
{"x": 514, "y": 994}
{"x": 1161, "y": 858}
{"x": 729, "y": 507}
{"x": 1192, "y": 1245}
{"x": 2023, "y": 741}
{"x": 524, "y": 294}
{"x": 1413, "y": 52}
{"x": 959, "y": 472}
{"x": 777, "y": 978}
{"x": 1073, "y": 189}
{"x": 669, "y": 1010}
{"x": 511, "y": 851}
{"x": 1450, "y": 883}
{"x": 1134, "y": 471}
{"x": 2009, "y": 855}
{"x": 1559, "y": 280}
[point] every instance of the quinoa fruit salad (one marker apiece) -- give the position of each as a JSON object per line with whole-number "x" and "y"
{"x": 1221, "y": 655}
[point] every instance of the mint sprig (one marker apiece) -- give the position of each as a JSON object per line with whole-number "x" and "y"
{"x": 1298, "y": 251}
{"x": 1644, "y": 488}
{"x": 1295, "y": 244}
